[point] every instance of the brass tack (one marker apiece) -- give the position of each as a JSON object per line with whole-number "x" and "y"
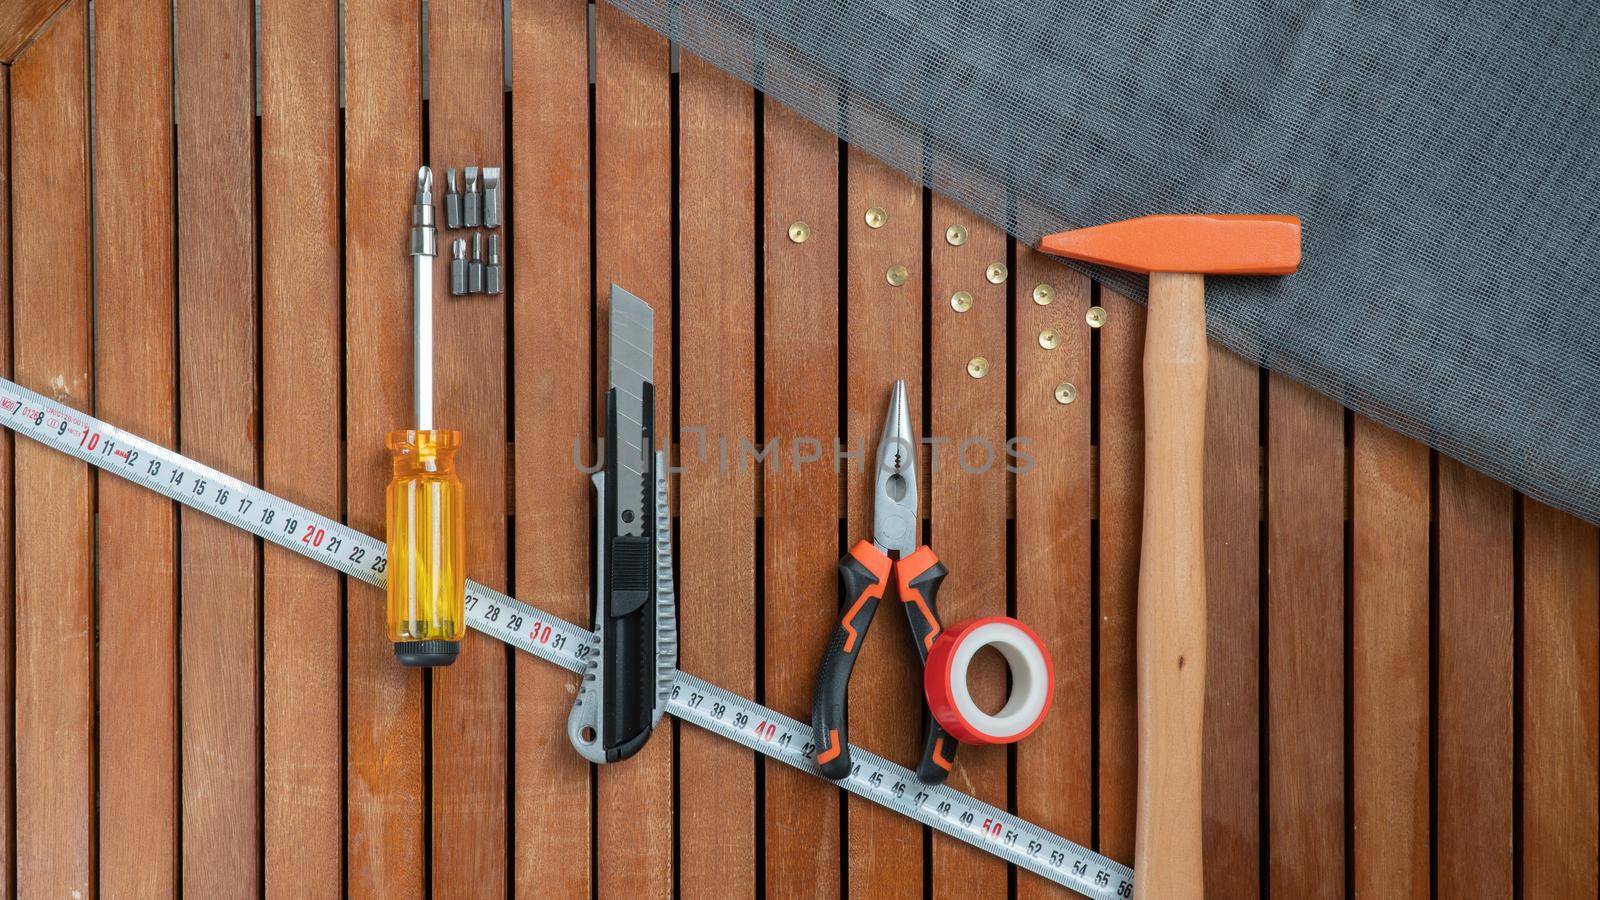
{"x": 956, "y": 235}
{"x": 961, "y": 301}
{"x": 1049, "y": 338}
{"x": 1043, "y": 293}
{"x": 1096, "y": 316}
{"x": 799, "y": 231}
{"x": 875, "y": 217}
{"x": 996, "y": 273}
{"x": 896, "y": 275}
{"x": 1066, "y": 393}
{"x": 978, "y": 367}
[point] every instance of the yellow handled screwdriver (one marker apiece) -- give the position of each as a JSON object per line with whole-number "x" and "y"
{"x": 426, "y": 501}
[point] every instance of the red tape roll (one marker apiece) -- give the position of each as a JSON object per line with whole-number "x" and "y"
{"x": 1032, "y": 681}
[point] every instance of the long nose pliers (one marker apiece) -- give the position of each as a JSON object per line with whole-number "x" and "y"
{"x": 863, "y": 580}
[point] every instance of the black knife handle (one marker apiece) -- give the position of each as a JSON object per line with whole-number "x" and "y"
{"x": 628, "y": 596}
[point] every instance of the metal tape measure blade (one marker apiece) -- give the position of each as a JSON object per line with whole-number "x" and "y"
{"x": 555, "y": 640}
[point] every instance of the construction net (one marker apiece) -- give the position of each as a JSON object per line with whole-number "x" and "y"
{"x": 1442, "y": 156}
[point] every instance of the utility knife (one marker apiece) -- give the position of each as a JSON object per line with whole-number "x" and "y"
{"x": 634, "y": 649}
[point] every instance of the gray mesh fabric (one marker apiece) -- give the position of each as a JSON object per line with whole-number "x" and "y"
{"x": 1442, "y": 156}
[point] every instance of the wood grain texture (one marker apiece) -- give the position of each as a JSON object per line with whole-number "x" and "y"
{"x": 967, "y": 507}
{"x": 218, "y": 395}
{"x": 387, "y": 801}
{"x": 1389, "y": 662}
{"x": 470, "y": 712}
{"x": 8, "y": 506}
{"x": 21, "y": 21}
{"x": 54, "y": 615}
{"x": 1055, "y": 507}
{"x": 135, "y": 296}
{"x": 1305, "y": 637}
{"x": 633, "y": 248}
{"x": 1121, "y": 504}
{"x": 301, "y": 410}
{"x": 1476, "y": 641}
{"x": 552, "y": 293}
{"x": 884, "y": 343}
{"x": 1561, "y": 587}
{"x": 1171, "y": 631}
{"x": 801, "y": 495}
{"x": 717, "y": 502}
{"x": 1232, "y": 791}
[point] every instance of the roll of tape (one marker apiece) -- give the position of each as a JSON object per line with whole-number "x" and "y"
{"x": 949, "y": 697}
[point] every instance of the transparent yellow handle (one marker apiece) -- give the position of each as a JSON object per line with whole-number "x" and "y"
{"x": 427, "y": 548}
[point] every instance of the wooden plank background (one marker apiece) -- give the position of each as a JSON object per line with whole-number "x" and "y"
{"x": 204, "y": 220}
{"x": 22, "y": 21}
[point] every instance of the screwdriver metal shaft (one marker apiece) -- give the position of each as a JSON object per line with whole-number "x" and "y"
{"x": 424, "y": 247}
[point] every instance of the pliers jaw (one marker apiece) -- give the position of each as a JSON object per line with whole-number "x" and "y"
{"x": 894, "y": 498}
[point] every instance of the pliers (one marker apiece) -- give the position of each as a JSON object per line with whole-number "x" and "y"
{"x": 863, "y": 580}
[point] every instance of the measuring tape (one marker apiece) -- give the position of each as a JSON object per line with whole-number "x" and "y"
{"x": 555, "y": 640}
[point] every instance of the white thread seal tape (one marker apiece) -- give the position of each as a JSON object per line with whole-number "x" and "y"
{"x": 949, "y": 697}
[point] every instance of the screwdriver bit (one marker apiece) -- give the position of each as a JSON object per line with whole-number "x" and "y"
{"x": 491, "y": 199}
{"x": 458, "y": 266}
{"x": 491, "y": 273}
{"x": 452, "y": 200}
{"x": 471, "y": 203}
{"x": 475, "y": 266}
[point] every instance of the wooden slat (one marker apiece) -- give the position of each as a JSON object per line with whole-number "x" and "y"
{"x": 301, "y": 365}
{"x": 21, "y": 21}
{"x": 717, "y": 392}
{"x": 218, "y": 397}
{"x": 884, "y": 343}
{"x": 548, "y": 227}
{"x": 1561, "y": 587}
{"x": 469, "y": 741}
{"x": 1476, "y": 640}
{"x": 220, "y": 612}
{"x": 1231, "y": 801}
{"x": 1055, "y": 506}
{"x": 135, "y": 292}
{"x": 1389, "y": 660}
{"x": 1305, "y": 639}
{"x": 801, "y": 499}
{"x": 1121, "y": 504}
{"x": 8, "y": 572}
{"x": 54, "y": 714}
{"x": 633, "y": 248}
{"x": 386, "y": 806}
{"x": 967, "y": 505}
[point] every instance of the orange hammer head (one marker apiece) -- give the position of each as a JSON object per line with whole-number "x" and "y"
{"x": 1212, "y": 245}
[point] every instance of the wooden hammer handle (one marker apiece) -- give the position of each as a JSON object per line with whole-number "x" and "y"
{"x": 1172, "y": 592}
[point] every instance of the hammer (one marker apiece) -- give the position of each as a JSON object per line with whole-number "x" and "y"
{"x": 1177, "y": 252}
